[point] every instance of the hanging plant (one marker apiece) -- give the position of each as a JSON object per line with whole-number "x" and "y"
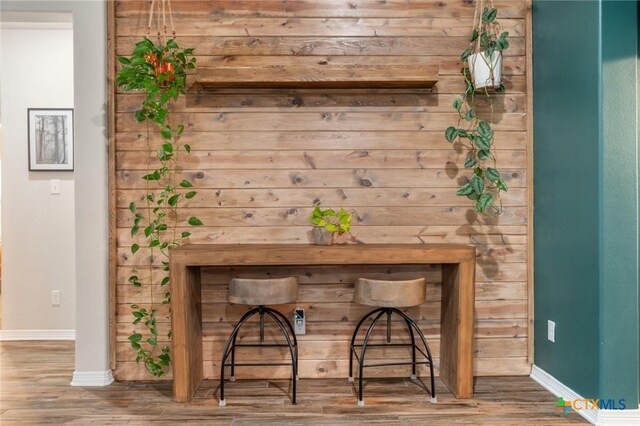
{"x": 482, "y": 72}
{"x": 159, "y": 71}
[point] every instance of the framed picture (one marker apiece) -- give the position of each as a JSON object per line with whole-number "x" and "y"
{"x": 50, "y": 139}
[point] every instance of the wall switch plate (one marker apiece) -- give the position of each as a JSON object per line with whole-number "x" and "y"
{"x": 55, "y": 186}
{"x": 551, "y": 331}
{"x": 56, "y": 297}
{"x": 299, "y": 321}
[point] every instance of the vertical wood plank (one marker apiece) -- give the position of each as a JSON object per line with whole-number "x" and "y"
{"x": 112, "y": 202}
{"x": 186, "y": 322}
{"x": 456, "y": 327}
{"x": 529, "y": 73}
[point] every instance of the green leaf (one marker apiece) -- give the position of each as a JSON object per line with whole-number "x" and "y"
{"x": 489, "y": 52}
{"x": 185, "y": 234}
{"x": 132, "y": 207}
{"x": 152, "y": 176}
{"x": 468, "y": 51}
{"x": 189, "y": 195}
{"x": 484, "y": 128}
{"x": 503, "y": 44}
{"x": 167, "y": 147}
{"x": 166, "y": 133}
{"x": 470, "y": 115}
{"x": 457, "y": 104}
{"x": 468, "y": 87}
{"x": 489, "y": 14}
{"x": 171, "y": 43}
{"x": 477, "y": 184}
{"x": 331, "y": 227}
{"x": 471, "y": 161}
{"x": 484, "y": 202}
{"x": 474, "y": 35}
{"x": 186, "y": 184}
{"x": 194, "y": 221}
{"x": 482, "y": 143}
{"x": 484, "y": 154}
{"x": 154, "y": 243}
{"x": 187, "y": 148}
{"x": 450, "y": 134}
{"x": 173, "y": 200}
{"x": 134, "y": 248}
{"x": 492, "y": 174}
{"x": 502, "y": 186}
{"x": 484, "y": 39}
{"x": 140, "y": 116}
{"x": 135, "y": 338}
{"x": 465, "y": 189}
{"x": 123, "y": 60}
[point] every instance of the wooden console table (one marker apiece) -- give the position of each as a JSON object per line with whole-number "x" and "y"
{"x": 457, "y": 312}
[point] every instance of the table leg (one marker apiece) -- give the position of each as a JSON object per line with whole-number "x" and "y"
{"x": 457, "y": 325}
{"x": 186, "y": 324}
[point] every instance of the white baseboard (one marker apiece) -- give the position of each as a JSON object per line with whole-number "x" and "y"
{"x": 596, "y": 417}
{"x": 8, "y": 335}
{"x": 618, "y": 417}
{"x": 92, "y": 378}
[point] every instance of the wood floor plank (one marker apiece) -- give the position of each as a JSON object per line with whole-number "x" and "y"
{"x": 35, "y": 390}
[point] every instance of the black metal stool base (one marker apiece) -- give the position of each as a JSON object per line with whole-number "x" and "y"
{"x": 412, "y": 328}
{"x": 231, "y": 345}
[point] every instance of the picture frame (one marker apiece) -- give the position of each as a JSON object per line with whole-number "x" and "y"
{"x": 50, "y": 139}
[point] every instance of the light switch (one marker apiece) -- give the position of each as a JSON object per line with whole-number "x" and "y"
{"x": 55, "y": 297}
{"x": 551, "y": 331}
{"x": 55, "y": 186}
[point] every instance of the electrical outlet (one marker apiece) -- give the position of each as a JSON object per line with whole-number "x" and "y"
{"x": 299, "y": 321}
{"x": 551, "y": 331}
{"x": 55, "y": 186}
{"x": 55, "y": 297}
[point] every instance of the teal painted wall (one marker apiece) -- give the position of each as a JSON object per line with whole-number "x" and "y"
{"x": 619, "y": 333}
{"x": 585, "y": 56}
{"x": 566, "y": 158}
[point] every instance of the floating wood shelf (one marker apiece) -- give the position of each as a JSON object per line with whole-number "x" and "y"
{"x": 320, "y": 77}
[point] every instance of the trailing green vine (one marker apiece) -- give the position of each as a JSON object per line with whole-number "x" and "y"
{"x": 160, "y": 72}
{"x": 475, "y": 129}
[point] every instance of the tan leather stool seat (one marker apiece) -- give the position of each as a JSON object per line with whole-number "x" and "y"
{"x": 390, "y": 294}
{"x": 270, "y": 291}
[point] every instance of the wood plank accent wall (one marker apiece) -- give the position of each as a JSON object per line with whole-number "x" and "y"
{"x": 262, "y": 158}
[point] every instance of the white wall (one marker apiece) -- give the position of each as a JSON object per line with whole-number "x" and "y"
{"x": 91, "y": 205}
{"x": 38, "y": 232}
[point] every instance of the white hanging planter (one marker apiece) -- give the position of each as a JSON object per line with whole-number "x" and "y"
{"x": 485, "y": 72}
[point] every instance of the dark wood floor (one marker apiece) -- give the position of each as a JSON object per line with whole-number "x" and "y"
{"x": 35, "y": 376}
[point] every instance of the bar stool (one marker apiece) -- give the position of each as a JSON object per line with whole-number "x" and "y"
{"x": 261, "y": 292}
{"x": 388, "y": 296}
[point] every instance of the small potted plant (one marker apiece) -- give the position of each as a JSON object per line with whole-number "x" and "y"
{"x": 474, "y": 130}
{"x": 329, "y": 224}
{"x": 484, "y": 54}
